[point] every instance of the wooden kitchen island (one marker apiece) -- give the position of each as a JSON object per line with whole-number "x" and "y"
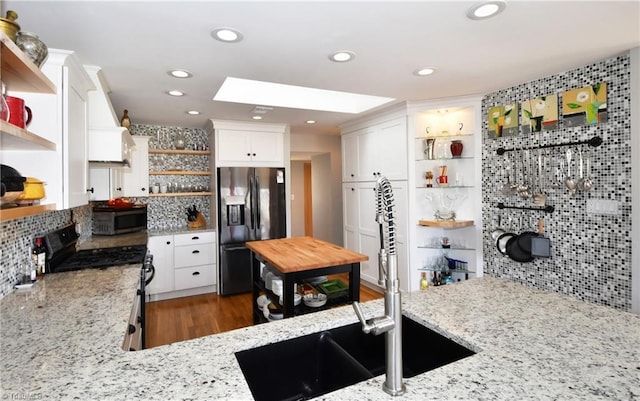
{"x": 300, "y": 258}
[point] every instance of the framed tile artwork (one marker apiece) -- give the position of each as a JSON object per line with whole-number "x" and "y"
{"x": 503, "y": 121}
{"x": 540, "y": 114}
{"x": 585, "y": 106}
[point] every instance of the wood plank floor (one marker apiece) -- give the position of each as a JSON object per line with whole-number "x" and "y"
{"x": 186, "y": 318}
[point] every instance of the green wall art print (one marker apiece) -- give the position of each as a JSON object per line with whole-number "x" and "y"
{"x": 540, "y": 114}
{"x": 585, "y": 106}
{"x": 503, "y": 121}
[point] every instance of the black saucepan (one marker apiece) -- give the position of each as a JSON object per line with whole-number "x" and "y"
{"x": 515, "y": 252}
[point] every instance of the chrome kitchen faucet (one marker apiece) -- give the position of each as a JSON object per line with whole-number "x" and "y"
{"x": 391, "y": 322}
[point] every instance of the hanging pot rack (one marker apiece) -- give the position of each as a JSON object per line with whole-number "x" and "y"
{"x": 546, "y": 209}
{"x": 593, "y": 142}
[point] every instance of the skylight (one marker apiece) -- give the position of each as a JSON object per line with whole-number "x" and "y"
{"x": 247, "y": 91}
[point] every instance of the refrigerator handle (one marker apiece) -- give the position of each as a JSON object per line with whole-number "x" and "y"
{"x": 250, "y": 202}
{"x": 257, "y": 195}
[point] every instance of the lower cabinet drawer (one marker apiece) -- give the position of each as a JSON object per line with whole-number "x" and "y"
{"x": 193, "y": 277}
{"x": 193, "y": 255}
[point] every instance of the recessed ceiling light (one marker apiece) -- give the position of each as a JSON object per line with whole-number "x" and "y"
{"x": 486, "y": 9}
{"x": 228, "y": 35}
{"x": 342, "y": 56}
{"x": 421, "y": 72}
{"x": 193, "y": 112}
{"x": 311, "y": 121}
{"x": 180, "y": 73}
{"x": 175, "y": 93}
{"x": 247, "y": 91}
{"x": 257, "y": 117}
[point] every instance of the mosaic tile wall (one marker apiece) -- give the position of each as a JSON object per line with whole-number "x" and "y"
{"x": 590, "y": 253}
{"x": 17, "y": 238}
{"x": 170, "y": 212}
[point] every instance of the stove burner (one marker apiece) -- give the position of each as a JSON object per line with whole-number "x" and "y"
{"x": 102, "y": 258}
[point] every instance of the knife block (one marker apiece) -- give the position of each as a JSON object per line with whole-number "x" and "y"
{"x": 199, "y": 223}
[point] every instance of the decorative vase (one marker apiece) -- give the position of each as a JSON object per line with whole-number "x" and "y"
{"x": 32, "y": 47}
{"x": 456, "y": 148}
{"x": 178, "y": 141}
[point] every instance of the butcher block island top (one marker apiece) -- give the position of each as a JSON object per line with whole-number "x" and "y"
{"x": 303, "y": 253}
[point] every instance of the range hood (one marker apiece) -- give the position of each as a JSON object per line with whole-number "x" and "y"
{"x": 109, "y": 144}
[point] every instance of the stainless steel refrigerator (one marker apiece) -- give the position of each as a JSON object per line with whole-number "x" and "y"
{"x": 251, "y": 206}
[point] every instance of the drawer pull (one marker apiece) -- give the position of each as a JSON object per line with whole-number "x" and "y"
{"x": 195, "y": 238}
{"x": 195, "y": 273}
{"x": 196, "y": 251}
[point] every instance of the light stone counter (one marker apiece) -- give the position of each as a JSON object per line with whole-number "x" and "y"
{"x": 61, "y": 341}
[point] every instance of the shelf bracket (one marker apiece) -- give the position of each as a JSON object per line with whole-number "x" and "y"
{"x": 593, "y": 142}
{"x": 546, "y": 208}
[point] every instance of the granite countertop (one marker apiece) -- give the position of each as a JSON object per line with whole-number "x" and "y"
{"x": 62, "y": 340}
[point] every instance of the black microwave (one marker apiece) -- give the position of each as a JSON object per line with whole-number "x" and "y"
{"x": 114, "y": 221}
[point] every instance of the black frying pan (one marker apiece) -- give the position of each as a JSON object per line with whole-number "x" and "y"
{"x": 515, "y": 252}
{"x": 524, "y": 240}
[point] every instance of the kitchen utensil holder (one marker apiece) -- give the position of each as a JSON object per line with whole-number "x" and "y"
{"x": 593, "y": 142}
{"x": 199, "y": 223}
{"x": 547, "y": 209}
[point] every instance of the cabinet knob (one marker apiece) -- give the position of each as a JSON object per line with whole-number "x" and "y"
{"x": 168, "y": 242}
{"x": 195, "y": 251}
{"x": 143, "y": 189}
{"x": 90, "y": 190}
{"x": 119, "y": 189}
{"x": 132, "y": 328}
{"x": 195, "y": 238}
{"x": 352, "y": 174}
{"x": 248, "y": 154}
{"x": 253, "y": 154}
{"x": 353, "y": 189}
{"x": 195, "y": 273}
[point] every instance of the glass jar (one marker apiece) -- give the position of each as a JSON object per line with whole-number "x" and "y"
{"x": 178, "y": 141}
{"x": 32, "y": 47}
{"x": 4, "y": 106}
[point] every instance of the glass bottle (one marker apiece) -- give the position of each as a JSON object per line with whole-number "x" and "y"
{"x": 424, "y": 283}
{"x": 4, "y": 106}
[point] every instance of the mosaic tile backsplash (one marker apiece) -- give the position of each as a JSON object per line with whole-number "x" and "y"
{"x": 17, "y": 238}
{"x": 170, "y": 212}
{"x": 590, "y": 253}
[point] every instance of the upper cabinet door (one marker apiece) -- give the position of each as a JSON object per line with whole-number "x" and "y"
{"x": 380, "y": 149}
{"x": 246, "y": 148}
{"x": 135, "y": 180}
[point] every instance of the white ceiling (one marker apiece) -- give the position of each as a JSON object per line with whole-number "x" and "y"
{"x": 136, "y": 43}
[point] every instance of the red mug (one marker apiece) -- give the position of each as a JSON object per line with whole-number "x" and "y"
{"x": 17, "y": 111}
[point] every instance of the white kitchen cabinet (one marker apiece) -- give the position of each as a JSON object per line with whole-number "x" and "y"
{"x": 378, "y": 149}
{"x": 61, "y": 119}
{"x": 249, "y": 144}
{"x": 161, "y": 247}
{"x": 185, "y": 264}
{"x": 135, "y": 179}
{"x": 105, "y": 183}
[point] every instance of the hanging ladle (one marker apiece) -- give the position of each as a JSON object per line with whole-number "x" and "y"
{"x": 587, "y": 183}
{"x": 568, "y": 181}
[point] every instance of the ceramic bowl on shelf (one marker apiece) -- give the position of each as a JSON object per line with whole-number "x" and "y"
{"x": 297, "y": 299}
{"x": 315, "y": 300}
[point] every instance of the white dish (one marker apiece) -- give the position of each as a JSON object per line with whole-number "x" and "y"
{"x": 315, "y": 300}
{"x": 271, "y": 316}
{"x": 317, "y": 280}
{"x": 262, "y": 300}
{"x": 297, "y": 299}
{"x": 27, "y": 285}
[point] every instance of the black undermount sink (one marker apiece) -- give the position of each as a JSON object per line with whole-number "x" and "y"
{"x": 315, "y": 364}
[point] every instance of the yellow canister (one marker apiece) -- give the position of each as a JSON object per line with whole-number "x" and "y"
{"x": 9, "y": 26}
{"x": 33, "y": 190}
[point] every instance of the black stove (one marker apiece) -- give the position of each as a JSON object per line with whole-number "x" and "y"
{"x": 62, "y": 255}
